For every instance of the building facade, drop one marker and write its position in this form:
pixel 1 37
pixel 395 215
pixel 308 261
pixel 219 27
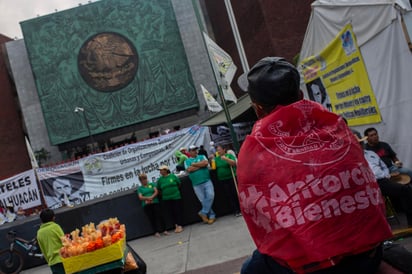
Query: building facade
pixel 14 158
pixel 271 28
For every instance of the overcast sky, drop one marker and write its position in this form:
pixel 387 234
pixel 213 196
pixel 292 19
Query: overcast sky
pixel 14 11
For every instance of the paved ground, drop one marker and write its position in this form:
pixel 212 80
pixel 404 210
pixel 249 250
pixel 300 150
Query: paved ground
pixel 203 249
pixel 200 248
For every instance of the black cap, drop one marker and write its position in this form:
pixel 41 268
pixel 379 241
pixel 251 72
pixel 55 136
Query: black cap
pixel 272 81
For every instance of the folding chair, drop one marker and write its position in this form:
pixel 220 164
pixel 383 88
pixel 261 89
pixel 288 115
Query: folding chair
pixel 390 210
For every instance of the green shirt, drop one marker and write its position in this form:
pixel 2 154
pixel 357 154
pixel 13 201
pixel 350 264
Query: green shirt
pixel 223 168
pixel 201 175
pixel 182 157
pixel 147 191
pixel 169 186
pixel 49 240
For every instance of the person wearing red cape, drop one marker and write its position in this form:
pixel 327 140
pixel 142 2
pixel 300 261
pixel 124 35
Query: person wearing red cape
pixel 307 194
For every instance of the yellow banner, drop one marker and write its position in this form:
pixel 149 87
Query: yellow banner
pixel 337 79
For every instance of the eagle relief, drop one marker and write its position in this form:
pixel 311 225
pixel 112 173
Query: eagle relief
pixel 108 61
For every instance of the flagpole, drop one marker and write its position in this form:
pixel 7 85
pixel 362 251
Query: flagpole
pixel 236 34
pixel 233 135
pixel 234 179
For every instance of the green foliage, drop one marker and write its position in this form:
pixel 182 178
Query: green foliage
pixel 296 59
pixel 42 156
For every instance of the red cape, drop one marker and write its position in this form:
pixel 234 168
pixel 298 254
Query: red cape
pixel 306 191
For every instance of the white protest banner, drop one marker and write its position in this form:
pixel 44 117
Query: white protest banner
pixel 20 190
pixel 104 174
pixel 118 170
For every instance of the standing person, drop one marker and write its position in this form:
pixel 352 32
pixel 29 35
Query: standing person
pixel 197 168
pixel 49 239
pixel 307 194
pixel 226 170
pixel 212 148
pixel 169 185
pixel 385 152
pixel 148 194
pixel 202 151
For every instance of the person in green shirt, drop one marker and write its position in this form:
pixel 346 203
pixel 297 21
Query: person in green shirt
pixel 169 185
pixel 225 171
pixel 148 194
pixel 49 239
pixel 181 158
pixel 197 167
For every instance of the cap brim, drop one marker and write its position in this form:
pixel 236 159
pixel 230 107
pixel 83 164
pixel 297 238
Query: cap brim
pixel 242 82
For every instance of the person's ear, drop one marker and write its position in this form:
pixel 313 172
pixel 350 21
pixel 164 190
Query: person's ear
pixel 300 96
pixel 259 110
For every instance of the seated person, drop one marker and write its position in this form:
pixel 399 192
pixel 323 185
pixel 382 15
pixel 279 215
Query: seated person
pixel 9 213
pixel 385 152
pixel 21 214
pixel 389 188
pixel 2 217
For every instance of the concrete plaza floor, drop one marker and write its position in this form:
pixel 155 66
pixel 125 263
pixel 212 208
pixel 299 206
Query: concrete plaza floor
pixel 224 245
pixel 201 248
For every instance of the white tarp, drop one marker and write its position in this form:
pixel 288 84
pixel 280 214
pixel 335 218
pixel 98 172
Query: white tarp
pixel 388 60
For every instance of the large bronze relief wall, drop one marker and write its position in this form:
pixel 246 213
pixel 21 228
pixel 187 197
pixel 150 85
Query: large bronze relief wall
pixel 121 61
pixel 108 61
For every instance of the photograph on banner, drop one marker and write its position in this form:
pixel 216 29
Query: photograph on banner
pixel 337 79
pixel 64 190
pixel 20 190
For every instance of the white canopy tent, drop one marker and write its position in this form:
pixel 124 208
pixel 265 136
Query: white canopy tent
pixel 388 59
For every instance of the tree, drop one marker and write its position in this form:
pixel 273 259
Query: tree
pixel 42 156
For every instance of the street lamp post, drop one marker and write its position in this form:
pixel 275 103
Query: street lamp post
pixel 80 109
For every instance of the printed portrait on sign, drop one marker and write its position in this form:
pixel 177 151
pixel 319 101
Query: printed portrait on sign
pixel 317 92
pixel 66 190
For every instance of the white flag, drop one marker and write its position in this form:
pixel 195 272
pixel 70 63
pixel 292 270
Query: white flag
pixel 32 157
pixel 223 67
pixel 228 92
pixel 211 103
